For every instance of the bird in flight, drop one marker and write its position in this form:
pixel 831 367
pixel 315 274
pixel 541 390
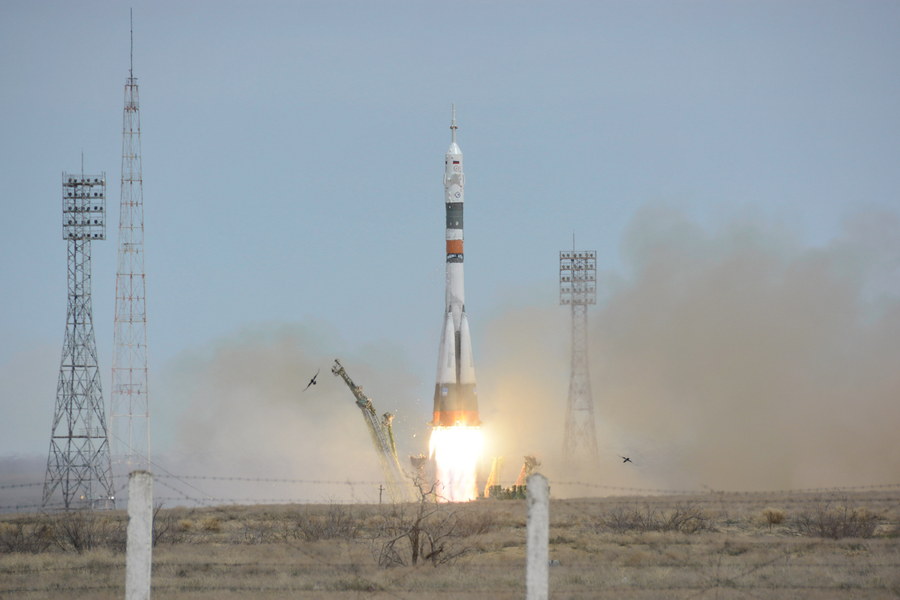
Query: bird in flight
pixel 625 459
pixel 312 381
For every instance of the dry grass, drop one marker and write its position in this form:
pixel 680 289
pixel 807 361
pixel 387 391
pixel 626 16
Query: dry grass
pixel 773 516
pixel 714 546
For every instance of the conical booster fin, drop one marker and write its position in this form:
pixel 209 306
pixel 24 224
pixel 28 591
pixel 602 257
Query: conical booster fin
pixel 466 362
pixel 446 369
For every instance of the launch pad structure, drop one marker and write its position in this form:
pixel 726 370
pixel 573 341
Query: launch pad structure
pixel 578 290
pixel 79 471
pixel 399 485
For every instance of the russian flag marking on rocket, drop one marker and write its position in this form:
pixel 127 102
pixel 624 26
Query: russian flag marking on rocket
pixel 455 395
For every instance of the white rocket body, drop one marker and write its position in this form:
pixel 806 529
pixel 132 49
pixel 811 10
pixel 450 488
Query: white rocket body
pixel 455 397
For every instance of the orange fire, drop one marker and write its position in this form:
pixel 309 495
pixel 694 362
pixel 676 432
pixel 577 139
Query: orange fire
pixel 456 451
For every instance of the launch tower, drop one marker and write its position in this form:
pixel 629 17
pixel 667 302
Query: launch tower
pixel 399 486
pixel 79 473
pixel 129 406
pixel 578 289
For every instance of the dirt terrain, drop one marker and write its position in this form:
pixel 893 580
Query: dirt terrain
pixel 813 545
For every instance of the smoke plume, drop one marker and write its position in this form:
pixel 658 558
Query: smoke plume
pixel 245 414
pixel 729 357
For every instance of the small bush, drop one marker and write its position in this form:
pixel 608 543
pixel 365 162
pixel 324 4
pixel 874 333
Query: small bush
pixel 83 530
pixel 773 516
pixel 836 522
pixel 684 518
pixel 337 523
pixel 211 524
pixel 621 519
pixel 421 533
pixel 475 523
pixel 261 532
pixel 24 537
pixel 167 528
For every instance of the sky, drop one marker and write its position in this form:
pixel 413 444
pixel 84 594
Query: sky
pixel 734 165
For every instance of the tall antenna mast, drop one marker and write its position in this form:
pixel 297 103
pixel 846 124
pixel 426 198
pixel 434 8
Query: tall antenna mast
pixel 453 126
pixel 578 289
pixel 130 408
pixel 131 57
pixel 79 473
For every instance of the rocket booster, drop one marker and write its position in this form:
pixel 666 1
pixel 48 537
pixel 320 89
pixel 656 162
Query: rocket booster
pixel 455 397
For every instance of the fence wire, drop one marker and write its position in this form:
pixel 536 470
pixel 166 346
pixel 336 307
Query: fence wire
pixel 188 490
pixel 863 573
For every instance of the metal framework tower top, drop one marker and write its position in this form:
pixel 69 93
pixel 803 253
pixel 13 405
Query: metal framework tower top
pixel 578 289
pixel 84 206
pixel 130 412
pixel 78 465
pixel 577 277
pixel 131 55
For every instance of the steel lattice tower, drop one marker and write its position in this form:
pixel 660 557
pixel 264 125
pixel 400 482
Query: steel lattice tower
pixel 78 465
pixel 130 412
pixel 577 288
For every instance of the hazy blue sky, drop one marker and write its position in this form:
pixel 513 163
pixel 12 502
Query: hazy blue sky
pixel 292 158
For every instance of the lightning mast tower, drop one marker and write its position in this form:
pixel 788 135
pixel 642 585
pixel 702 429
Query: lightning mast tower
pixel 78 465
pixel 578 289
pixel 130 409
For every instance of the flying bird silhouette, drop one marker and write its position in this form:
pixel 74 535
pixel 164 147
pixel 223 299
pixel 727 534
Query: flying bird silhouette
pixel 625 459
pixel 312 381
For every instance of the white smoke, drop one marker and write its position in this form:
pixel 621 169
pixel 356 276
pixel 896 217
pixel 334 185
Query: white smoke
pixel 729 357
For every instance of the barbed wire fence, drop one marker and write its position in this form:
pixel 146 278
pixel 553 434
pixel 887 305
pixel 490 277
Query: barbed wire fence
pixel 191 490
pixel 648 576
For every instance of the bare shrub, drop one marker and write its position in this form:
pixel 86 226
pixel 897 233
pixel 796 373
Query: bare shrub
pixel 621 519
pixel 684 518
pixel 83 530
pixel 167 528
pixel 261 532
pixel 836 522
pixel 211 524
pixel 423 532
pixel 24 537
pixel 773 516
pixel 337 523
pixel 475 523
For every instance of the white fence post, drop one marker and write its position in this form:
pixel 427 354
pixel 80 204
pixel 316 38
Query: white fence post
pixel 139 547
pixel 537 582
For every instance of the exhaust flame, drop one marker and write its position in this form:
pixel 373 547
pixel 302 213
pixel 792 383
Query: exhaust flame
pixel 456 451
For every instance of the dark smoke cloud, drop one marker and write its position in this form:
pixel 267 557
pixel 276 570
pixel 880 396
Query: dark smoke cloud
pixel 732 357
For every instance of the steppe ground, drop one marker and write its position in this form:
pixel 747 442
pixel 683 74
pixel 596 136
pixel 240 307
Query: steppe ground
pixel 813 545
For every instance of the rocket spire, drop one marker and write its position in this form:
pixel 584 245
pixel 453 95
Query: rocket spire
pixel 453 126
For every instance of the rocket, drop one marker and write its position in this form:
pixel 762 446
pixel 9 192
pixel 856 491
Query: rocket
pixel 455 397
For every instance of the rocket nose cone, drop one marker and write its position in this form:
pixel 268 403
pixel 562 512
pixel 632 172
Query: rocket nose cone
pixel 454 149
